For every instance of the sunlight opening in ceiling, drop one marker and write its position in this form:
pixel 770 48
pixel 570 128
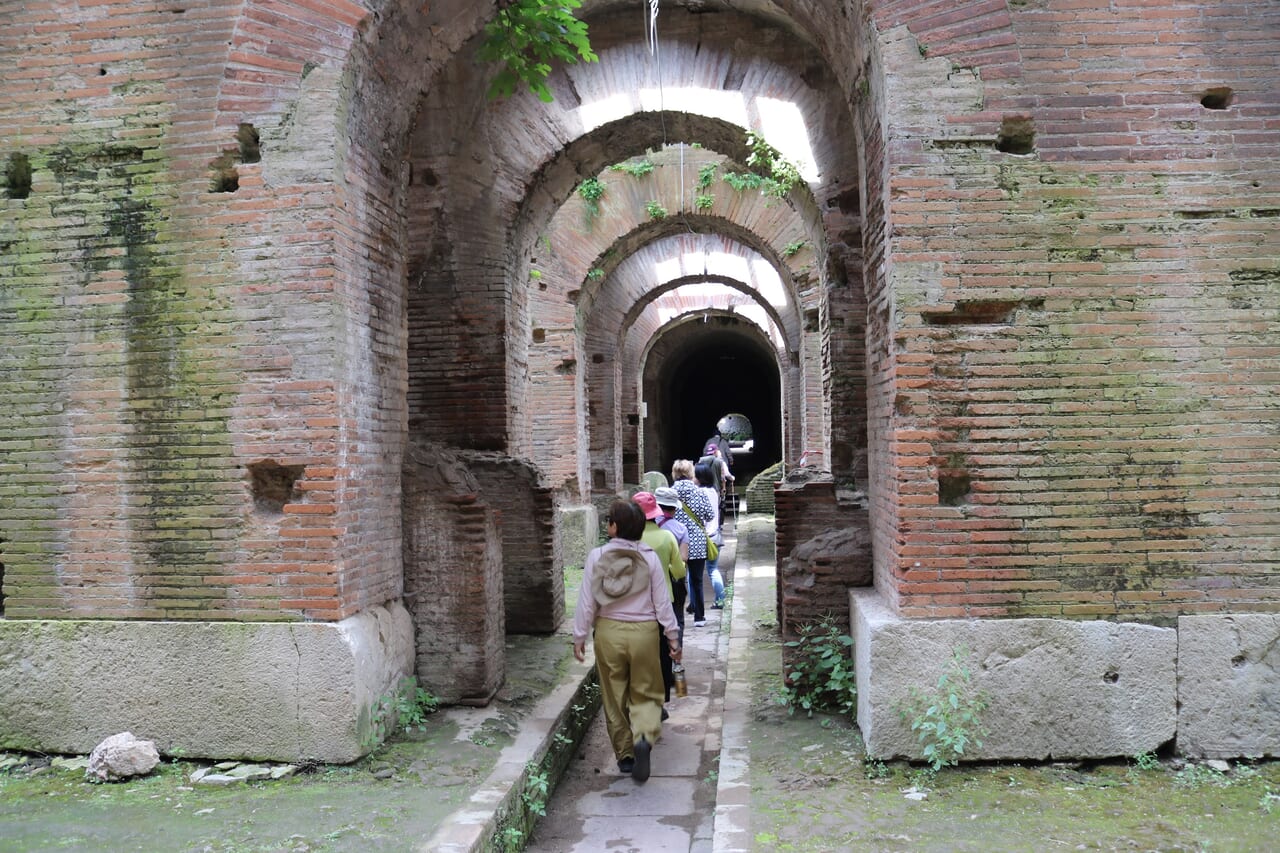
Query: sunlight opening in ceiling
pixel 780 121
pixel 605 110
pixel 697 100
pixel 714 296
pixel 754 271
pixel 783 126
pixel 768 283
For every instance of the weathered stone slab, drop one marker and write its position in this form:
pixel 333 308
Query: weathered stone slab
pixel 1058 688
pixel 271 691
pixel 578 526
pixel 1229 685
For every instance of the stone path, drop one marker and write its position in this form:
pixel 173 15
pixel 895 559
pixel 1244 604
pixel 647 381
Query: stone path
pixel 596 807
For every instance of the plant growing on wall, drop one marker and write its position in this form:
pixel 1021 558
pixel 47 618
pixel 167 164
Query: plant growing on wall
pixel 634 168
pixel 707 174
pixel 703 202
pixel 948 720
pixel 591 191
pixel 655 209
pixel 792 249
pixel 821 677
pixel 771 173
pixel 529 35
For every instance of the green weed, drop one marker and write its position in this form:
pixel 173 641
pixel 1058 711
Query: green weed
pixel 948 720
pixel 821 677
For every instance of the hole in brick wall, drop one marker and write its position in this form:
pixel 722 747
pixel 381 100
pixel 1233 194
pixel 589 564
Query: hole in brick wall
pixel 102 72
pixel 567 366
pixel 539 336
pixel 597 479
pixel 1017 135
pixel 978 311
pixel 598 358
pixel 273 485
pixel 225 177
pixel 1218 98
pixel 1111 676
pixel 1237 661
pixel 953 488
pixel 18 176
pixel 633 420
pixel 250 148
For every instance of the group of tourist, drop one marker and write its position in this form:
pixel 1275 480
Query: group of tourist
pixel 633 598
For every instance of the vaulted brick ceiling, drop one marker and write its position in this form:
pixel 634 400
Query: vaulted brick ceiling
pixel 588 290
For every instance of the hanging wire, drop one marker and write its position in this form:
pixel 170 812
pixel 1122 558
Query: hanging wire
pixel 653 27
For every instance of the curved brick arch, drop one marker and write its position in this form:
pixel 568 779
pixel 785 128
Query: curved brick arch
pixel 647 434
pixel 533 156
pixel 676 259
pixel 799 422
pixel 684 294
pixel 562 298
pixel 619 321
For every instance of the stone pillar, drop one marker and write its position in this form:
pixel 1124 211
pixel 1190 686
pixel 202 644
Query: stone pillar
pixel 453 578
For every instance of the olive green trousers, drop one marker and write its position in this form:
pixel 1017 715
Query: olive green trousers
pixel 630 682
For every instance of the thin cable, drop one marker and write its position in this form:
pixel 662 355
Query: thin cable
pixel 653 27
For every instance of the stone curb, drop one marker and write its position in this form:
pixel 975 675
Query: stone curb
pixel 732 822
pixel 548 739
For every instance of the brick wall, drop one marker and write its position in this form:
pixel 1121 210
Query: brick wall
pixel 453 576
pixel 823 547
pixel 244 266
pixel 533 585
pixel 1071 416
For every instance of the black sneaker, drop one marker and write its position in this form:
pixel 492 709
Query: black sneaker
pixel 665 715
pixel 626 764
pixel 640 771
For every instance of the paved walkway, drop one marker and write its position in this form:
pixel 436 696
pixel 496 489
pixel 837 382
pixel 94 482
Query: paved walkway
pixel 596 807
pixel 698 794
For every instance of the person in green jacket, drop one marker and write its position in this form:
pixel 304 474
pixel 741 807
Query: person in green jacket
pixel 671 557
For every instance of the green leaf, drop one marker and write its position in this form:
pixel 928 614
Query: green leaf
pixel 526 37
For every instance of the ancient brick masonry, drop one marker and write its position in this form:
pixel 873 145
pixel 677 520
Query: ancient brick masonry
pixel 258 257
pixel 823 547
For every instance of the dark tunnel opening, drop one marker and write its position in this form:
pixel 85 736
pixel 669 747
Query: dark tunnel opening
pixel 717 372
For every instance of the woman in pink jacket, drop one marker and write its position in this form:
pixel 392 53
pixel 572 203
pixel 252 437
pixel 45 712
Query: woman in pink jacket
pixel 624 599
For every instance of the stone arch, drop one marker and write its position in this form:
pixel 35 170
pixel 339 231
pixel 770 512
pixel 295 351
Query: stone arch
pixel 578 257
pixel 617 329
pixel 676 405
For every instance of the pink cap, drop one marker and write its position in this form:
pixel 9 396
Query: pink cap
pixel 648 503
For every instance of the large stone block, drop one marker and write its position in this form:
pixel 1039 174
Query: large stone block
pixel 1058 688
pixel 264 691
pixel 1229 685
pixel 579 526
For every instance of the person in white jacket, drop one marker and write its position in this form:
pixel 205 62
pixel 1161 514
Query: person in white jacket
pixel 624 602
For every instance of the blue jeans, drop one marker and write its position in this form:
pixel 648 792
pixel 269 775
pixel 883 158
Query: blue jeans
pixel 717 581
